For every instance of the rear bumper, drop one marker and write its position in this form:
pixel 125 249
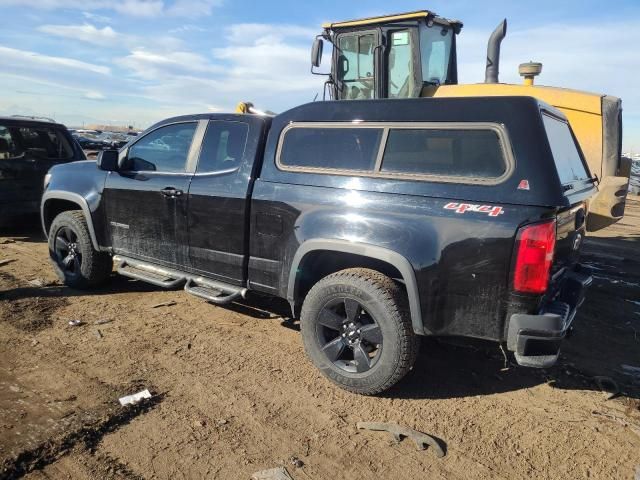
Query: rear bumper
pixel 535 339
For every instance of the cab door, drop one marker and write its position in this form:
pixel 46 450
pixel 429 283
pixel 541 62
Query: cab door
pixel 146 200
pixel 357 59
pixel 219 196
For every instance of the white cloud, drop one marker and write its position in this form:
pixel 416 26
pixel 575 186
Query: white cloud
pixel 108 37
pixel 252 33
pixel 96 18
pixel 187 28
pixel 94 95
pixel 137 8
pixel 14 57
pixel 192 8
pixel 153 66
pixel 84 33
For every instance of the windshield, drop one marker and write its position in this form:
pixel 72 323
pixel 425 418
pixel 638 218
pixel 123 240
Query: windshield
pixel 435 51
pixel 565 153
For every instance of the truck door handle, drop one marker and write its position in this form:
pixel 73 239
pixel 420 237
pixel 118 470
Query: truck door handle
pixel 171 192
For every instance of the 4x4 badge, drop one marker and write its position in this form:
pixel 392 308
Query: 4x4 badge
pixel 490 210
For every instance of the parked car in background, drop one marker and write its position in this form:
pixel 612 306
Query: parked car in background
pixel 91 143
pixel 29 147
pixel 114 140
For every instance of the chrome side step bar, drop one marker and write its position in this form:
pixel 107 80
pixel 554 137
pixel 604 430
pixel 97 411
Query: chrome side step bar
pixel 213 291
pixel 145 272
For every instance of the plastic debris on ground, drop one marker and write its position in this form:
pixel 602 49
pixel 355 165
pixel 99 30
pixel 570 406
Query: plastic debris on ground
pixel 134 398
pixel 279 473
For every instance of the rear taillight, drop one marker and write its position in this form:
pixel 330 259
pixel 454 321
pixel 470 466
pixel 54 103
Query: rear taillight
pixel 534 254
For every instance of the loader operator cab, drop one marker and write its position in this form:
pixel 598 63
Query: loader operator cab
pixel 414 55
pixel 392 56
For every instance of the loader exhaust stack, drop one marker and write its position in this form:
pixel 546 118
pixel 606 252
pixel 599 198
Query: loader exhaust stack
pixel 493 53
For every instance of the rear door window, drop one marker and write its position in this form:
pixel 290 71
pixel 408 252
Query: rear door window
pixel 223 146
pixel 164 150
pixel 341 148
pixel 444 152
pixel 565 152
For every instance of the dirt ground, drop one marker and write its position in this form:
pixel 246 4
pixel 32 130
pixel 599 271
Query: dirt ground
pixel 234 393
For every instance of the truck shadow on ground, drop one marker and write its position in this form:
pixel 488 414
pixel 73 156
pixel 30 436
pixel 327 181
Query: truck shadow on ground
pixel 605 340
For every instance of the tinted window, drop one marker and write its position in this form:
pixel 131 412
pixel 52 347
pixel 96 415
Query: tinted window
pixel 223 146
pixel 564 150
pixel 401 84
pixel 163 150
pixel 336 148
pixel 447 152
pixel 34 142
pixel 435 47
pixel 355 66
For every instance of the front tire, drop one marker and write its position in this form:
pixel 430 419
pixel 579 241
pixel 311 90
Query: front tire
pixel 72 255
pixel 356 329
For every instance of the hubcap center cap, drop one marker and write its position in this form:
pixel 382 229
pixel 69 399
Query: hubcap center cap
pixel 351 333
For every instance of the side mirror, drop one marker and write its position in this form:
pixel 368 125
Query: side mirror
pixel 108 160
pixel 316 52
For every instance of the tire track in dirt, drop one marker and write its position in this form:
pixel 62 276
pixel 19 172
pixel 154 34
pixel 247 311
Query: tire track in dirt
pixel 86 432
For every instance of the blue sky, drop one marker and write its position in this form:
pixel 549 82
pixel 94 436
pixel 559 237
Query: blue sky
pixel 138 61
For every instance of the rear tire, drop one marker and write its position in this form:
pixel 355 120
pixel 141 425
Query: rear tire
pixel 72 255
pixel 356 329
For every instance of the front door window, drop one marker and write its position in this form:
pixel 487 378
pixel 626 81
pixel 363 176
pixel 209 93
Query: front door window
pixel 163 150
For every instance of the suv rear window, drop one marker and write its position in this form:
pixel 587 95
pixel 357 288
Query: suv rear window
pixel 565 153
pixel 331 148
pixel 444 152
pixel 39 142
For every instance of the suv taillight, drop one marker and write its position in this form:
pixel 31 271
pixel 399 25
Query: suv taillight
pixel 534 253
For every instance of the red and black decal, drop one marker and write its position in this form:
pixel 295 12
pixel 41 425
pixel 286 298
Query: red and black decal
pixel 491 210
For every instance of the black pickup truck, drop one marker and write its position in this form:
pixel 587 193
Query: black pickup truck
pixel 378 221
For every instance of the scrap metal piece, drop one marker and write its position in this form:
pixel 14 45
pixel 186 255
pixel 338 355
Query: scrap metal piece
pixel 279 473
pixel 398 432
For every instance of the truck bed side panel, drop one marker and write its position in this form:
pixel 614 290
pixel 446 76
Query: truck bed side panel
pixel 461 260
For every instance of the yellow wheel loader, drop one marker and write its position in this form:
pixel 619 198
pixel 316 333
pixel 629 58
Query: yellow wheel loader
pixel 414 55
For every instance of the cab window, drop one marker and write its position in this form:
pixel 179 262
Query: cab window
pixel 163 150
pixel 435 53
pixel 401 74
pixel 223 146
pixel 356 53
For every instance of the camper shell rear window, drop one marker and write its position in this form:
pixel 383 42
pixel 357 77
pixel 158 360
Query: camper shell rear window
pixel 566 155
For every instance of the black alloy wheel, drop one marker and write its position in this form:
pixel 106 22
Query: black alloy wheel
pixel 349 336
pixel 67 251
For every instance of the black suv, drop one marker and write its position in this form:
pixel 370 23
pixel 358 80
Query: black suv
pixel 378 221
pixel 29 147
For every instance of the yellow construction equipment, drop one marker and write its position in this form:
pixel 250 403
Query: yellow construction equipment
pixel 414 55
